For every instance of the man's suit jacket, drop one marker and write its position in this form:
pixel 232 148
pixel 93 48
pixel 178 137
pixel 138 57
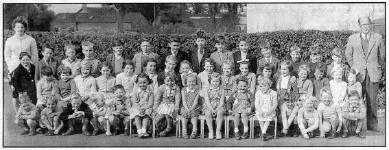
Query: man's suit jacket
pixel 369 60
pixel 139 61
pixel 111 60
pixel 252 60
pixel 274 63
pixel 198 65
pixel 181 55
pixel 53 64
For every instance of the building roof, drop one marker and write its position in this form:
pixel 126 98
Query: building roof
pixel 97 15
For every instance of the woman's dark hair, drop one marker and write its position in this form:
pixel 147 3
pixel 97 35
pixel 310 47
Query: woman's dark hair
pixel 143 75
pixel 21 20
pixel 22 54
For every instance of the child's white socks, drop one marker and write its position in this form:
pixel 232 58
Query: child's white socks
pixel 236 130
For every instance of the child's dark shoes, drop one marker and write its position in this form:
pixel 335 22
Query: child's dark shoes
pixel 85 132
pixel 193 135
pixel 50 133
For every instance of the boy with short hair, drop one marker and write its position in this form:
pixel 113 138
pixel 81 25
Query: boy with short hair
pixel 87 50
pixel 47 60
pixel 85 83
pixel 330 115
pixel 295 55
pixel 267 58
pixel 65 86
pixel 140 58
pixel 175 51
pixel 308 118
pixel 251 78
pixel 243 54
pixel 76 112
pixel 337 64
pixel 27 115
pixel 70 61
pixel 198 56
pixel 117 59
pixel 354 115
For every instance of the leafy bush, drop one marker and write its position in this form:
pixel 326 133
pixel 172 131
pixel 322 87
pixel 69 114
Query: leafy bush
pixel 280 41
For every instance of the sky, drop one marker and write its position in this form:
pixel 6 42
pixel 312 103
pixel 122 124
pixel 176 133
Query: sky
pixel 69 8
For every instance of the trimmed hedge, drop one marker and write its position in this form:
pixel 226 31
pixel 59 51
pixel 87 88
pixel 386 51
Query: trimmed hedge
pixel 279 40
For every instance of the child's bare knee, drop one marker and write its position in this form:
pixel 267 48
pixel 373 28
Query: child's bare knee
pixel 31 123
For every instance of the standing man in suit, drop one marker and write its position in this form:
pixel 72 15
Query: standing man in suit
pixel 244 55
pixel 365 51
pixel 198 55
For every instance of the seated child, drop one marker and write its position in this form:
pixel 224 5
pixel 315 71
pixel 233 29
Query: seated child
pixel 99 110
pixel 85 83
pixel 242 102
pixel 354 115
pixel 117 111
pixel 167 103
pixel 330 115
pixel 127 77
pixel 65 87
pixel 289 111
pixel 190 109
pixel 251 78
pixel 214 105
pixel 185 71
pixel 45 87
pixel 105 83
pixel 75 113
pixel 353 84
pixel 50 116
pixel 286 83
pixel 228 80
pixel 204 76
pixel 71 61
pixel 320 80
pixel 308 118
pixel 338 87
pixel 142 100
pixel 27 115
pixel 150 69
pixel 267 72
pixel 265 106
pixel 304 85
pixel 87 50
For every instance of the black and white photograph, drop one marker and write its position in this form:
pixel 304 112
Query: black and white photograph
pixel 193 74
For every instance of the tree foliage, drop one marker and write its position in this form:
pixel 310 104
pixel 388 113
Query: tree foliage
pixel 39 17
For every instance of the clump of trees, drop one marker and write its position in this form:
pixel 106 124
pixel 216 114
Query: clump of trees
pixel 38 15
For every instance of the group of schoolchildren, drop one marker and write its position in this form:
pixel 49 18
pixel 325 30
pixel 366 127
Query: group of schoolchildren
pixel 310 99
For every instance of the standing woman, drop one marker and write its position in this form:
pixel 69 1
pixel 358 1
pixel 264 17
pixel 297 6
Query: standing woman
pixel 23 80
pixel 19 42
